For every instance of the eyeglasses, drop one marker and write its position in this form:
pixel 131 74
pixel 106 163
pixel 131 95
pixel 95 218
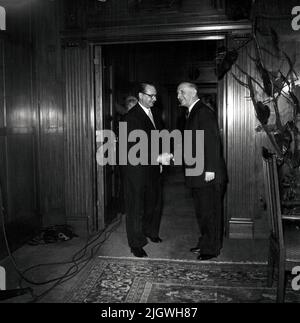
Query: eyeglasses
pixel 152 96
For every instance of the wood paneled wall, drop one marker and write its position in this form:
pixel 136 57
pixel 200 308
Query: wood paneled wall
pixel 18 128
pixel 49 94
pixel 31 119
pixel 78 138
pixel 240 153
pixel 85 14
pixel 245 207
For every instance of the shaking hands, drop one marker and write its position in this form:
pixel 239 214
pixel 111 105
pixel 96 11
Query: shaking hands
pixel 209 176
pixel 165 159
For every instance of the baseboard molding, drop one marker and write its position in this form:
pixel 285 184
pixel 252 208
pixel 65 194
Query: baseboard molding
pixel 55 217
pixel 241 228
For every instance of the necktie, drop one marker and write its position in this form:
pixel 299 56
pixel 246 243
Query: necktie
pixel 151 117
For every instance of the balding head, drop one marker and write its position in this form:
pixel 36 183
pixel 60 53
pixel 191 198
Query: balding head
pixel 187 94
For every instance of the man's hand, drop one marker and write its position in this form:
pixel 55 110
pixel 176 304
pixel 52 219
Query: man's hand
pixel 209 176
pixel 165 158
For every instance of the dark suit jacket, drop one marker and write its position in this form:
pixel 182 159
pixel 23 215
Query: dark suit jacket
pixel 137 119
pixel 203 118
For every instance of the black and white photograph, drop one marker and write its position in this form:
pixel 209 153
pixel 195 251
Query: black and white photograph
pixel 149 154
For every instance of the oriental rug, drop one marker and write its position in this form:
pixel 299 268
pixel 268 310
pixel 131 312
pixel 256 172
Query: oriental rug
pixel 137 280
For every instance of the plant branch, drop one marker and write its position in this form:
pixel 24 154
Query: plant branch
pixel 239 81
pixel 271 138
pixel 248 75
pixel 258 50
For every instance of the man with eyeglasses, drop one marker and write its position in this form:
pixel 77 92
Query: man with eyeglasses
pixel 142 183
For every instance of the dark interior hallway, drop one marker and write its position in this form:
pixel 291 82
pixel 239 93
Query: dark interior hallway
pixel 178 231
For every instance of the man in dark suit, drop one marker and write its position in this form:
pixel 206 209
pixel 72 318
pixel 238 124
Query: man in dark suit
pixel 208 189
pixel 142 183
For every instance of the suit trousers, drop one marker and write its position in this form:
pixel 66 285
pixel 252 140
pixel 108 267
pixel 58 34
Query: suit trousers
pixel 143 210
pixel 208 203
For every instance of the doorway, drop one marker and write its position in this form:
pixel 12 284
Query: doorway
pixel 118 67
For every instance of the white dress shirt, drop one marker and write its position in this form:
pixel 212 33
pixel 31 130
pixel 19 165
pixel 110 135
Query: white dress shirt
pixel 191 107
pixel 149 114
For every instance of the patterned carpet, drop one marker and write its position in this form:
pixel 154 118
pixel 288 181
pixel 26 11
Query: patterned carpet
pixel 126 280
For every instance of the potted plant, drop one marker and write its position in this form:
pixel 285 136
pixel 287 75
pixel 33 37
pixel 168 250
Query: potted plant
pixel 272 91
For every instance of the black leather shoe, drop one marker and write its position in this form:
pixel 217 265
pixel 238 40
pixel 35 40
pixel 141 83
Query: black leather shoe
pixel 205 257
pixel 195 250
pixel 139 252
pixel 156 239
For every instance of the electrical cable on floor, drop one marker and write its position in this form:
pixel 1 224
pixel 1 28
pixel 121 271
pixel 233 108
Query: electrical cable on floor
pixel 75 261
pixel 69 275
pixel 86 261
pixel 60 263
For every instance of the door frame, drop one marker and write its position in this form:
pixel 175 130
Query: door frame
pixel 170 34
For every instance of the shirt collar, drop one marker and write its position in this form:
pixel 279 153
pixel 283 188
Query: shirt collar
pixel 144 108
pixel 191 107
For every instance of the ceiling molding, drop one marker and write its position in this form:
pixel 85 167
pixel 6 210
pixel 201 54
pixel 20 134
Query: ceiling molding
pixel 168 32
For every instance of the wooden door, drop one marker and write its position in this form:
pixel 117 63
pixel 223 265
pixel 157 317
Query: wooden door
pixel 107 176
